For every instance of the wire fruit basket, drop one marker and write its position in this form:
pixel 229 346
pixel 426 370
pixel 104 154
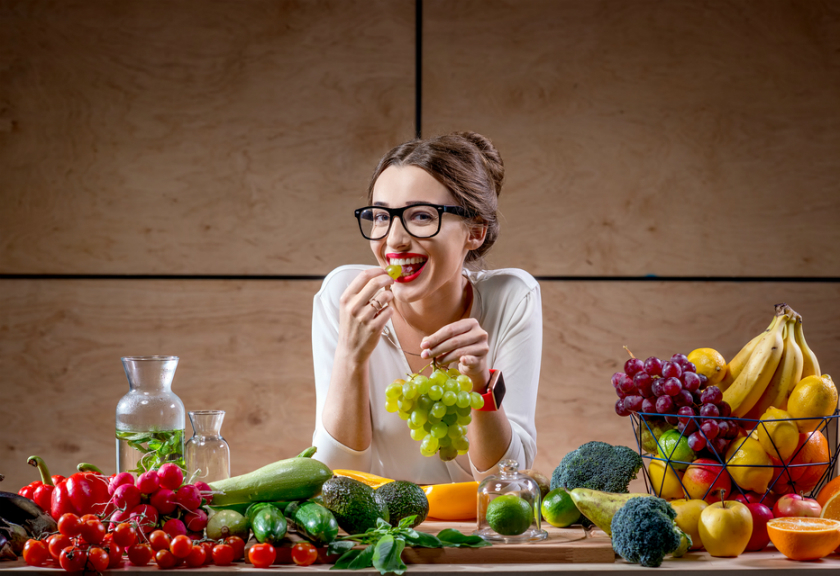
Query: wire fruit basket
pixel 797 474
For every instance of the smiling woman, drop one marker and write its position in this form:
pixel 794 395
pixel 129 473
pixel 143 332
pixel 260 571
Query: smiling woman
pixel 432 212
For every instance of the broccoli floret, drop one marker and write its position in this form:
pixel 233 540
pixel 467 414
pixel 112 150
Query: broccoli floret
pixel 644 532
pixel 599 466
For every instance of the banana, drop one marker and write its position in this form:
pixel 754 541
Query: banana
pixel 754 378
pixel 736 365
pixel 787 375
pixel 811 366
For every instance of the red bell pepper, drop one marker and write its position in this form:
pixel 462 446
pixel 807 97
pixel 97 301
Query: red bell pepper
pixel 82 493
pixel 41 490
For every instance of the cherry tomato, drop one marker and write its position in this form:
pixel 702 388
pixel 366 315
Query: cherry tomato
pixel 181 546
pixel 160 540
pixel 208 551
pixel 115 555
pixel 165 559
pixel 93 531
pixel 125 535
pixel 88 518
pixel 262 555
pixel 56 543
pixel 35 552
pixel 222 554
pixel 197 556
pixel 69 525
pixel 238 545
pixel 304 554
pixel 73 559
pixel 98 559
pixel 140 554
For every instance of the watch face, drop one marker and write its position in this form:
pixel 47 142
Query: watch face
pixel 499 390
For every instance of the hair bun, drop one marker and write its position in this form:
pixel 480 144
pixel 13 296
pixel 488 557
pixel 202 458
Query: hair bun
pixel 492 158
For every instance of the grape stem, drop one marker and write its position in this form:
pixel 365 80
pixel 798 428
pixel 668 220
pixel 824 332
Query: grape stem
pixel 628 351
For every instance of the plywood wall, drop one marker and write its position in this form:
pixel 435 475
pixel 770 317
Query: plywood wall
pixel 234 140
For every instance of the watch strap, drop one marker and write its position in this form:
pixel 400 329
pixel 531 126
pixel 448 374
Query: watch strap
pixel 494 393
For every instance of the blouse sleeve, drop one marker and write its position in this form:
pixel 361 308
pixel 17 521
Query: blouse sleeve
pixel 518 355
pixel 324 343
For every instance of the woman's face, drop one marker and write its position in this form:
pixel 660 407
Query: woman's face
pixel 428 264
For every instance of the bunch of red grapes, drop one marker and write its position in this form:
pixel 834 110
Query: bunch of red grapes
pixel 674 391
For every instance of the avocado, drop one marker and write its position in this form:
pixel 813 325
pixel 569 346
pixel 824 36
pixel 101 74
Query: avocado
pixel 403 499
pixel 352 503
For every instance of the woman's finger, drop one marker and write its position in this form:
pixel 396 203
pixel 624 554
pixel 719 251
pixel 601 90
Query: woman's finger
pixel 370 290
pixel 449 331
pixel 477 350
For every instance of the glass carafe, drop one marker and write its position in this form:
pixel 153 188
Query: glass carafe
pixel 150 418
pixel 207 453
pixel 509 506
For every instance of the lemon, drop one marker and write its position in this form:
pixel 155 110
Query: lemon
pixel 779 439
pixel 709 363
pixel 749 465
pixel 813 397
pixel 665 481
pixel 559 509
pixel 509 515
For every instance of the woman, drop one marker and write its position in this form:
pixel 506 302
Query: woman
pixel 433 211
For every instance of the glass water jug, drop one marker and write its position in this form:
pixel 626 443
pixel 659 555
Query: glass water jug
pixel 150 417
pixel 509 506
pixel 207 453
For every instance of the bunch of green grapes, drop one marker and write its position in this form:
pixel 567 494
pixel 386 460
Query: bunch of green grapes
pixel 436 409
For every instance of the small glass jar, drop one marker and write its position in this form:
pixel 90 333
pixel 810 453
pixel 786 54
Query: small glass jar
pixel 207 453
pixel 509 506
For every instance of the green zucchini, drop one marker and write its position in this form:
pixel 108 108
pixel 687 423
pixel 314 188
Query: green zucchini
pixel 291 479
pixel 267 523
pixel 313 522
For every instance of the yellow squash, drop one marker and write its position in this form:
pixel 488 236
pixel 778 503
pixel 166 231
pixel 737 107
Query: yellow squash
pixel 371 480
pixel 455 501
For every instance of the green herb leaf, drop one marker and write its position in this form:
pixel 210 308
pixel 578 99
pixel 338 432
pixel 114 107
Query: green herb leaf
pixel 363 560
pixel 337 547
pixel 387 555
pixel 382 525
pixel 344 562
pixel 454 539
pixel 407 521
pixel 423 540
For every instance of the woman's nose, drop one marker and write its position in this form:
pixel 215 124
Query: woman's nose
pixel 398 236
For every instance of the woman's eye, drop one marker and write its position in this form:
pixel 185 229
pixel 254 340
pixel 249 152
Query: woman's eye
pixel 421 218
pixel 381 218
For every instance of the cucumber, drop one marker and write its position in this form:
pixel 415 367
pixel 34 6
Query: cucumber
pixel 267 523
pixel 291 479
pixel 313 522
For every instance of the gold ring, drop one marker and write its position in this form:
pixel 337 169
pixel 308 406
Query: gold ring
pixel 376 305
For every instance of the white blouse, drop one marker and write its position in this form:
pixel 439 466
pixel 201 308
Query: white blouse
pixel 507 305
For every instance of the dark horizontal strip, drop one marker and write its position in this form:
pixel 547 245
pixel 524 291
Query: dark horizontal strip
pixel 651 278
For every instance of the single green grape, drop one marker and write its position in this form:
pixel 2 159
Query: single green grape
pixel 461 443
pixel 462 452
pixel 439 377
pixel 453 372
pixel 453 409
pixel 464 420
pixel 438 410
pixel 409 390
pixel 463 400
pixel 449 419
pixel 451 386
pixel 447 454
pixel 430 443
pixel 394 271
pixel 434 420
pixel 403 415
pixel 428 426
pixel 449 398
pixel 411 424
pixel 424 402
pixel 394 389
pixel 405 405
pixel 419 417
pixel 445 441
pixel 455 431
pixel 465 411
pixel 391 406
pixel 439 430
pixel 418 434
pixel 476 401
pixel 422 383
pixel 465 382
pixel 435 392
pixel 425 450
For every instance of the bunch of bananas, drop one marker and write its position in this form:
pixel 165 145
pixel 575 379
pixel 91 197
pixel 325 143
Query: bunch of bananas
pixel 766 370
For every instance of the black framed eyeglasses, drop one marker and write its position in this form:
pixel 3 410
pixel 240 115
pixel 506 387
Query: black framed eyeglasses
pixel 419 220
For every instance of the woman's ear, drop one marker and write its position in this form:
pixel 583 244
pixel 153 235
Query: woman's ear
pixel 477 234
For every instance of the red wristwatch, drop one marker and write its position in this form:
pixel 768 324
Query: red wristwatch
pixel 495 392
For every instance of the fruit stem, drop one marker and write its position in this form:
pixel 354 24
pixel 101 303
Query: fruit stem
pixel 628 351
pixel 722 495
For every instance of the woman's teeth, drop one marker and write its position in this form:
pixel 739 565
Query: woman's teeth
pixel 404 261
pixel 409 265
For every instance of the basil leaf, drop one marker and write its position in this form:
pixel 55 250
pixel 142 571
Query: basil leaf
pixel 345 560
pixel 454 539
pixel 382 525
pixel 423 540
pixel 407 521
pixel 386 556
pixel 363 560
pixel 339 547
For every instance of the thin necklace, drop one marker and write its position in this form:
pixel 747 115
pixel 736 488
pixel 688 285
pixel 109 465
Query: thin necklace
pixel 416 331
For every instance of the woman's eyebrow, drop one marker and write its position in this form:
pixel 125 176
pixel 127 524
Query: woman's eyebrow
pixel 409 203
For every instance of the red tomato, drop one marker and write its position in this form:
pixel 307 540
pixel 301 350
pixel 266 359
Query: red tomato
pixel 93 531
pixel 88 518
pixel 115 554
pixel 140 554
pixel 262 555
pixel 181 546
pixel 125 535
pixel 73 559
pixel 98 559
pixel 165 559
pixel 304 554
pixel 160 540
pixel 56 543
pixel 197 556
pixel 208 551
pixel 69 525
pixel 35 552
pixel 238 545
pixel 222 554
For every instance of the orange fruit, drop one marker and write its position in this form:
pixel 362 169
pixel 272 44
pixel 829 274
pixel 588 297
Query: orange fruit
pixel 827 491
pixel 804 538
pixel 831 508
pixel 813 448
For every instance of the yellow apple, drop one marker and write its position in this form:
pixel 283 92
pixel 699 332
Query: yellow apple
pixel 665 480
pixel 725 528
pixel 688 518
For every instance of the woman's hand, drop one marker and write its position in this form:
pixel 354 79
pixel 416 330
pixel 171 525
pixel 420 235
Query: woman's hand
pixel 465 342
pixel 361 322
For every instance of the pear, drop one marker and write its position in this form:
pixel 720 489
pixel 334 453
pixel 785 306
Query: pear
pixel 600 507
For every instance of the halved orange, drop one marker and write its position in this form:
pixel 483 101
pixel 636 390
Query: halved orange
pixel 831 508
pixel 827 491
pixel 804 538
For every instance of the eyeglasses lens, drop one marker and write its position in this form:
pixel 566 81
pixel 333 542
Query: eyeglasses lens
pixel 420 221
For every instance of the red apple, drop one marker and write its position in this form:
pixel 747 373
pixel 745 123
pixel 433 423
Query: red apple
pixel 760 515
pixel 769 499
pixel 706 476
pixel 796 505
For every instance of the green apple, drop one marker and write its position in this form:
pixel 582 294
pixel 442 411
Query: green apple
pixel 688 518
pixel 725 528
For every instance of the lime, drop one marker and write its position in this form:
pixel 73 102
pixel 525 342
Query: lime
pixel 559 509
pixel 509 515
pixel 675 448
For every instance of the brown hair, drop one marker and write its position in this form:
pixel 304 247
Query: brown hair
pixel 469 166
